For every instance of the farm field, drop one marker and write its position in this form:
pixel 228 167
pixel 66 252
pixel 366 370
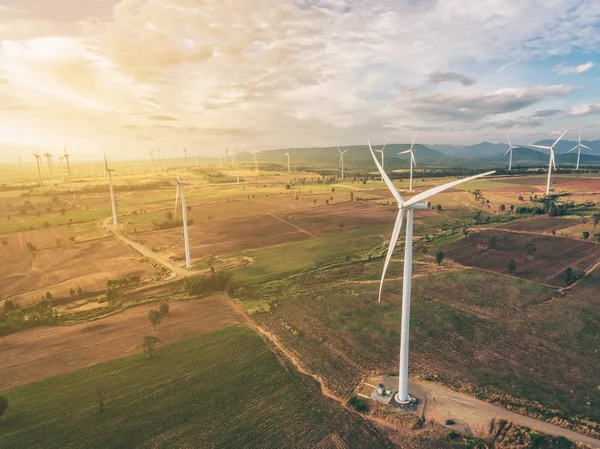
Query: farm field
pixel 543 224
pixel 223 389
pixel 511 342
pixel 47 351
pixel 27 276
pixel 547 265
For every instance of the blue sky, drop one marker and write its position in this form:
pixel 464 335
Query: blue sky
pixel 128 76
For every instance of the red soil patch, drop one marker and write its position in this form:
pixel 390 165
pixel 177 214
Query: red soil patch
pixel 87 265
pixel 43 352
pixel 553 256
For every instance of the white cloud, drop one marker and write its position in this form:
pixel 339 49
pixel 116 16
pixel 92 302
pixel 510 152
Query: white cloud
pixel 585 109
pixel 572 70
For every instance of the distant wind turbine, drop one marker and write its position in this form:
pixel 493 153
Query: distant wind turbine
pixel 578 147
pixel 181 185
pixel 511 147
pixel 220 158
pixel 408 207
pixel 152 160
pixel 37 157
pixel 226 158
pixel 237 167
pixel 255 164
pixel 342 160
pixel 185 153
pixel 288 157
pixel 552 162
pixel 159 161
pixel 65 156
pixel 382 151
pixel 112 193
pixel 49 161
pixel 412 161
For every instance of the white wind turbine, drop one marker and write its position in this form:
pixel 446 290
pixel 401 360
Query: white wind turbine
pixel 342 161
pixel 382 151
pixel 552 162
pixel 226 158
pixel 237 167
pixel 152 160
pixel 288 156
pixel 112 193
pixel 412 161
pixel 511 147
pixel 408 207
pixel 185 155
pixel 181 185
pixel 578 147
pixel 66 157
pixel 255 164
pixel 37 157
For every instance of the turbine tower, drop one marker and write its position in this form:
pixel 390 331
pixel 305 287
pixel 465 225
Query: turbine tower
pixel 288 156
pixel 412 161
pixel 185 153
pixel 382 154
pixel 112 193
pixel 237 167
pixel 552 162
pixel 152 160
pixel 255 164
pixel 342 160
pixel 226 158
pixel 159 162
pixel 65 156
pixel 577 147
pixel 49 161
pixel 181 185
pixel 511 147
pixel 37 157
pixel 408 207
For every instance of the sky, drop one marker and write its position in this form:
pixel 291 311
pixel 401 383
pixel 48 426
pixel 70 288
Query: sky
pixel 130 76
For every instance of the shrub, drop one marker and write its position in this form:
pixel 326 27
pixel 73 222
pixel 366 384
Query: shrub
pixel 164 309
pixel 3 405
pixel 357 404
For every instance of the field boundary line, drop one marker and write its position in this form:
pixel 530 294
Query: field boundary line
pixel 291 224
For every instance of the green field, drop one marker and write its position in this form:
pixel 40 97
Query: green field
pixel 225 389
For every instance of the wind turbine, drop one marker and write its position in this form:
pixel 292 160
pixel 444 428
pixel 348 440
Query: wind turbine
pixel 112 193
pixel 37 159
pixel 412 160
pixel 511 147
pixel 579 146
pixel 181 185
pixel 237 167
pixel 152 160
pixel 49 161
pixel 65 156
pixel 185 153
pixel 382 154
pixel 159 161
pixel 408 207
pixel 288 156
pixel 552 162
pixel 342 160
pixel 255 164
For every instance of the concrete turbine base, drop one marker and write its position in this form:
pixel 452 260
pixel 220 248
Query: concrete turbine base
pixel 409 402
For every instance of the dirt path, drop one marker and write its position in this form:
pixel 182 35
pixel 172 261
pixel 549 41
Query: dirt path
pixel 475 415
pixel 293 225
pixel 176 270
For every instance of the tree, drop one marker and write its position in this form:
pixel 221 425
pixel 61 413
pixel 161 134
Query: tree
pixel 110 294
pixel 351 196
pixel 150 341
pixel 511 265
pixel 48 295
pixel 502 207
pixel 3 405
pixel 493 242
pixel 439 257
pixel 596 218
pixel 512 207
pixel 569 276
pixel 101 390
pixel 438 207
pixel 72 291
pixel 154 317
pixel 585 235
pixel 169 216
pixel 189 208
pixel 164 309
pixel 530 248
pixel 342 226
pixel 521 198
pixel 30 247
pixel 79 291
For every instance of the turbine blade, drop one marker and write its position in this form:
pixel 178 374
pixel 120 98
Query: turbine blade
pixel 176 200
pixel 412 155
pixel 434 191
pixel 574 148
pixel 405 152
pixel 540 146
pixel 509 148
pixel 386 179
pixel 586 147
pixel 553 161
pixel 393 239
pixel 509 143
pixel 413 142
pixel 561 136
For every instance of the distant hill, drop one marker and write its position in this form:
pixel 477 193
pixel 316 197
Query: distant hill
pixel 479 150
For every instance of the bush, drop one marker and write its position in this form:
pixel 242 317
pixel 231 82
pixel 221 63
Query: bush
pixel 164 309
pixel 214 283
pixel 357 404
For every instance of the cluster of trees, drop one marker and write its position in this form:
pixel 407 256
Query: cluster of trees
pixel 155 317
pixel 217 281
pixel 123 281
pixel 572 276
pixel 169 223
pixel 13 318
